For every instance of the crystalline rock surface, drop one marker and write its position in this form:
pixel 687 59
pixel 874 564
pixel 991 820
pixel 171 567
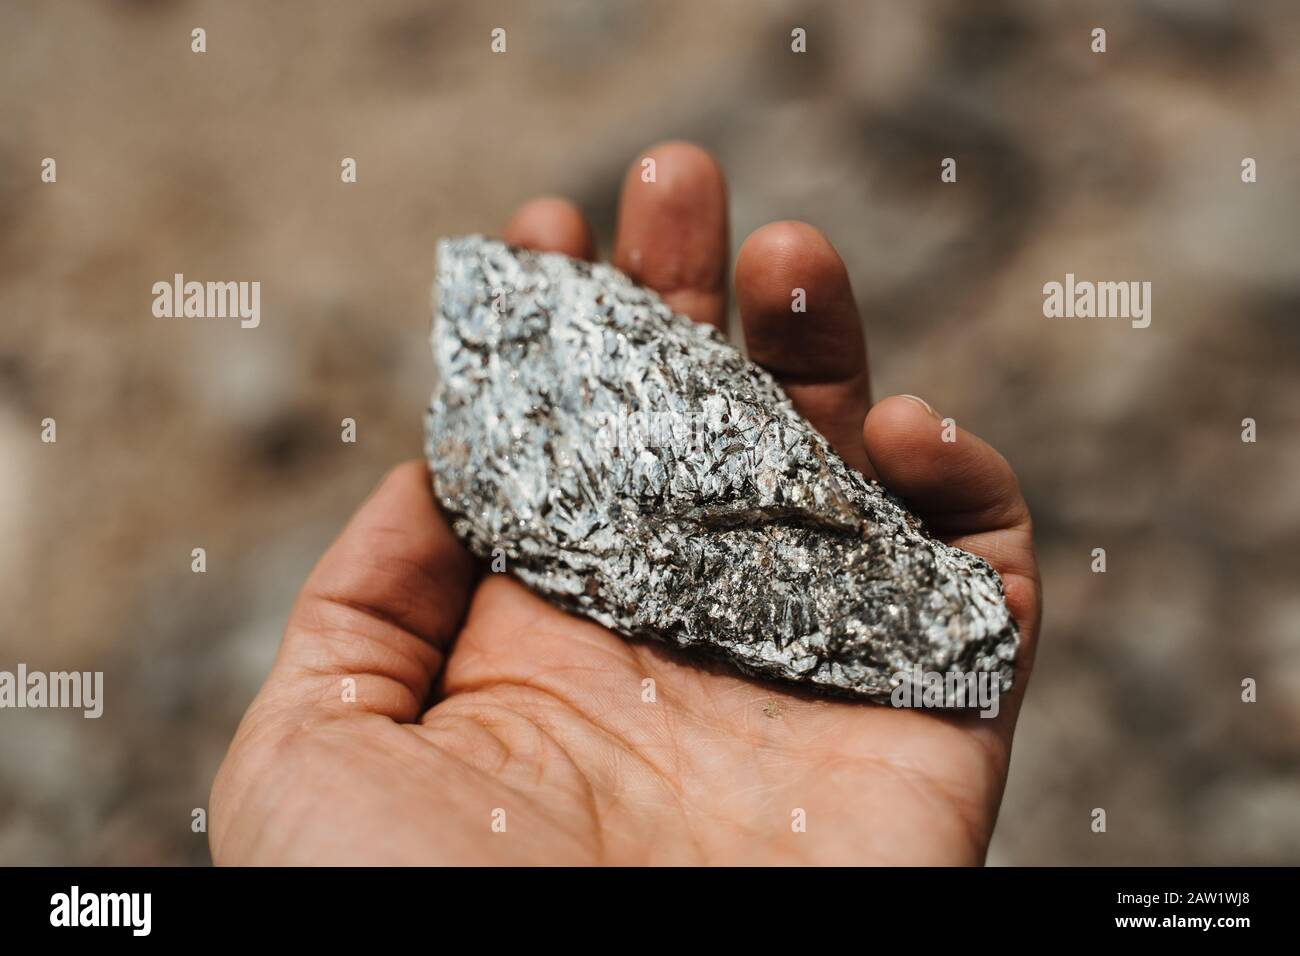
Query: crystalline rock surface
pixel 635 468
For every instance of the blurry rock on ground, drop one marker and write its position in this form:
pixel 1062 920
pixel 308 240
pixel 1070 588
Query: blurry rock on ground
pixel 175 435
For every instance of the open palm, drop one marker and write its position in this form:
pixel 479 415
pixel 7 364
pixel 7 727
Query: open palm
pixel 421 711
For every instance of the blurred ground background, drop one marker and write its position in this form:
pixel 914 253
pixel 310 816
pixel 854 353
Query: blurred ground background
pixel 181 434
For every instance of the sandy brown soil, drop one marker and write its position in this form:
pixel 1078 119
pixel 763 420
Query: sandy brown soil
pixel 179 434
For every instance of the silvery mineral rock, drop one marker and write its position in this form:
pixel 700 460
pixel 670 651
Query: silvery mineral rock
pixel 633 467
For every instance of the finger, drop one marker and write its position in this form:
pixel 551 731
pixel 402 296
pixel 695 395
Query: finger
pixel 802 325
pixel 968 495
pixel 380 609
pixel 957 483
pixel 672 230
pixel 551 224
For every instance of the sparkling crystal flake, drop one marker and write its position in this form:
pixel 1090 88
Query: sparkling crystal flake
pixel 635 468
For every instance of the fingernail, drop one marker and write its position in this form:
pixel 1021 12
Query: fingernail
pixel 923 403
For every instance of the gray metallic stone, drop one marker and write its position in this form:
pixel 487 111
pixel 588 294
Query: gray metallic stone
pixel 635 468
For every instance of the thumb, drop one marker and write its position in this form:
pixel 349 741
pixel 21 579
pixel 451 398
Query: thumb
pixel 371 627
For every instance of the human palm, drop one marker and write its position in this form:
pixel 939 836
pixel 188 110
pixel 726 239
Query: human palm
pixel 423 710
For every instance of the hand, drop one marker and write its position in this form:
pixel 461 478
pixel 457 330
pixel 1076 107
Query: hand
pixel 474 696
